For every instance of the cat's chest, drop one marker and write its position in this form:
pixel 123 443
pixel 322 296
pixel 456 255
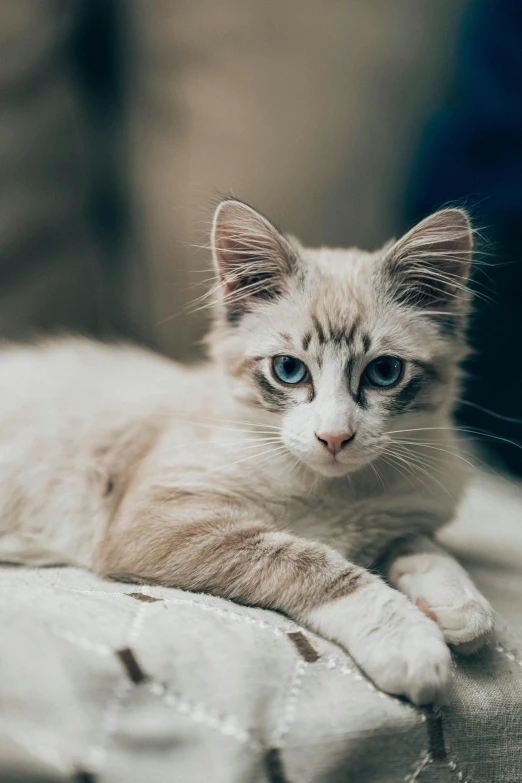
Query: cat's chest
pixel 356 526
pixel 355 518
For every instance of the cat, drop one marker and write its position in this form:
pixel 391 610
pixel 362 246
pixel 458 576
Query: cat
pixel 305 467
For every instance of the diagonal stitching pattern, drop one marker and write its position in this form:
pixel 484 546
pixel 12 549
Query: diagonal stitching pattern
pixel 227 725
pixel 289 710
pixel 198 712
pixel 507 654
pixel 421 764
pixel 96 755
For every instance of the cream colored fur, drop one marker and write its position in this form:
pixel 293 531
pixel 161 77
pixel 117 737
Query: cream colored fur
pixel 116 459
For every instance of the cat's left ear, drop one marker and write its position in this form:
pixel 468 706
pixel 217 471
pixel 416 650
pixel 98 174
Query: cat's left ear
pixel 253 259
pixel 429 266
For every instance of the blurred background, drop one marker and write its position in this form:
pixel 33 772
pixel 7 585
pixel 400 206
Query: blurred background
pixel 345 121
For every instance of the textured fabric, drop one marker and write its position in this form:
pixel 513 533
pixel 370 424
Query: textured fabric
pixel 151 684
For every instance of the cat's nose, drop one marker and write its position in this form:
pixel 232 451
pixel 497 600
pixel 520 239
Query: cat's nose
pixel 334 443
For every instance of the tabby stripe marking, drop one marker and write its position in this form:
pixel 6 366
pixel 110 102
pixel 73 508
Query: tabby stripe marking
pixel 400 401
pixel 319 329
pixel 351 334
pixel 270 393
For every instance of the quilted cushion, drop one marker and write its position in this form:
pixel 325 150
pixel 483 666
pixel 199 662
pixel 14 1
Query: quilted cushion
pixel 109 682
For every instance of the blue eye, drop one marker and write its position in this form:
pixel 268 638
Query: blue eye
pixel 384 371
pixel 289 370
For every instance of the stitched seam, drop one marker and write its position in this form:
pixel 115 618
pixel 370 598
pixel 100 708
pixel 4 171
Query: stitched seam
pixel 421 764
pixel 460 775
pixel 220 612
pixel 331 662
pixel 276 630
pixel 114 704
pixel 88 592
pixel 200 713
pixel 509 655
pixel 289 710
pixel 79 641
pixel 452 764
pixel 97 752
pixel 279 631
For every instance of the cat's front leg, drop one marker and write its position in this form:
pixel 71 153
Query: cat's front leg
pixel 221 549
pixel 439 586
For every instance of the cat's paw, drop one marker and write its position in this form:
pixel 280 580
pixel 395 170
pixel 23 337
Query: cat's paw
pixel 401 650
pixel 444 592
pixel 465 622
pixel 415 663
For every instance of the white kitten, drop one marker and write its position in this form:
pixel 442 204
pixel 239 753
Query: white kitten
pixel 315 443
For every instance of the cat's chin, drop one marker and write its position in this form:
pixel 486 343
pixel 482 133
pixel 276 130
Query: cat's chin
pixel 336 468
pixel 331 469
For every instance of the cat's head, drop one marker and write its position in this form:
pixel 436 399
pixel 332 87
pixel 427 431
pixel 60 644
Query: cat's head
pixel 341 347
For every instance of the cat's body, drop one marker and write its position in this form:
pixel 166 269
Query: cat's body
pixel 79 418
pixel 226 478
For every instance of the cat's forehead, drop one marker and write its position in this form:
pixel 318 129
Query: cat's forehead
pixel 338 300
pixel 336 308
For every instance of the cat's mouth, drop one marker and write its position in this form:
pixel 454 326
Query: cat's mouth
pixel 331 465
pixel 337 465
pixel 333 468
pixel 347 460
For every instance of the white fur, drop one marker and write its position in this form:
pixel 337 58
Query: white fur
pixel 436 581
pixel 400 649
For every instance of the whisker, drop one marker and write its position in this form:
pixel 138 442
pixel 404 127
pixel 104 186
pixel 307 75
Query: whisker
pixel 416 444
pixel 425 472
pixel 459 429
pixel 207 473
pixel 501 416
pixel 240 430
pixel 427 461
pixel 236 421
pixel 237 447
pixel 378 475
pixel 394 466
pixel 245 459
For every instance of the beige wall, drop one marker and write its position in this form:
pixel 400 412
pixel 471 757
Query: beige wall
pixel 309 110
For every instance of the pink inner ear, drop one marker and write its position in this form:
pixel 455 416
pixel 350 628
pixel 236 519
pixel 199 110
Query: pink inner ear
pixel 251 255
pixel 430 264
pixel 230 254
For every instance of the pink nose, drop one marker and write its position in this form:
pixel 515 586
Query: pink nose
pixel 335 443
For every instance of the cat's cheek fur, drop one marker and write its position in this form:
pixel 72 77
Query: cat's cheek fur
pixel 401 650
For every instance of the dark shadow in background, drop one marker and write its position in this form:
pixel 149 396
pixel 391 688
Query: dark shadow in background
pixel 471 154
pixel 96 55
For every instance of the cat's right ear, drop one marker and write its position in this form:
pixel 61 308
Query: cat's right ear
pixel 253 259
pixel 429 266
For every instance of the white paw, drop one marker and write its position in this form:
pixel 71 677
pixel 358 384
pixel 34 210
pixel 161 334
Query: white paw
pixel 465 623
pixel 401 650
pixel 447 595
